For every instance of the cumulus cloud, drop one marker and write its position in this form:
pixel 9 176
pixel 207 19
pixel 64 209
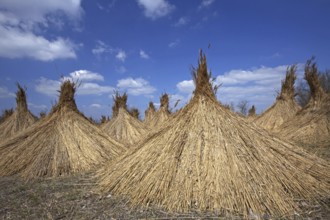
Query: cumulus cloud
pixel 186 86
pixel 20 24
pixel 48 86
pixel 156 8
pixel 257 86
pixel 262 75
pixel 51 87
pixel 15 43
pixel 5 93
pixel 138 86
pixel 144 55
pixel 94 89
pixel 121 55
pixel 36 11
pixel 86 75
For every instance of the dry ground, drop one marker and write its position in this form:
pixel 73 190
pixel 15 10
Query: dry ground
pixel 74 198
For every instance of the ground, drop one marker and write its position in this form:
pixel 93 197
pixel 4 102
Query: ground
pixel 75 198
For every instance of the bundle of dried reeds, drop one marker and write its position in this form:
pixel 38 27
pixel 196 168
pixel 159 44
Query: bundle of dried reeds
pixel 64 142
pixel 149 113
pixel 6 114
pixel 135 113
pixel 208 158
pixel 252 113
pixel 123 126
pixel 311 125
pixel 162 115
pixel 20 119
pixel 285 106
pixel 119 102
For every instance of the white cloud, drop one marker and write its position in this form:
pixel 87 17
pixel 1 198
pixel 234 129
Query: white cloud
pixel 262 75
pixel 186 86
pixel 144 55
pixel 101 48
pixel 21 22
pixel 15 43
pixel 5 93
pixel 86 75
pixel 94 89
pixel 95 105
pixel 48 86
pixel 37 11
pixel 257 86
pixel 205 3
pixel 156 8
pixel 121 55
pixel 38 107
pixel 51 87
pixel 182 21
pixel 179 100
pixel 174 43
pixel 136 86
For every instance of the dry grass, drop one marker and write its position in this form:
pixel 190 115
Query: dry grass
pixel 74 197
pixel 206 158
pixel 63 143
pixel 20 119
pixel 285 106
pixel 311 125
pixel 124 127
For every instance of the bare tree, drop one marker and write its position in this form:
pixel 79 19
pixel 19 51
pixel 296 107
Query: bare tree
pixel 242 107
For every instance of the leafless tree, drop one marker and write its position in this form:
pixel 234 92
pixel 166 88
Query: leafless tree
pixel 242 107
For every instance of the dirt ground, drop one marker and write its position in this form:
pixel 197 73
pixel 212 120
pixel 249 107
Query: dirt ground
pixel 74 198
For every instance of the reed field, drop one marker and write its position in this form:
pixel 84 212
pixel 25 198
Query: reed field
pixel 203 161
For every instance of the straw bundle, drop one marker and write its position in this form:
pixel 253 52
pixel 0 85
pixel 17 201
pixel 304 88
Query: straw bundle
pixel 285 106
pixel 208 158
pixel 149 113
pixel 135 113
pixel 123 126
pixel 64 142
pixel 6 114
pixel 119 102
pixel 162 114
pixel 252 113
pixel 311 125
pixel 20 119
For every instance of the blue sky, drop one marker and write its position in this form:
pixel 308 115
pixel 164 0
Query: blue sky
pixel 147 47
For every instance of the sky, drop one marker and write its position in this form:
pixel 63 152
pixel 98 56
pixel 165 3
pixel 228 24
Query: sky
pixel 148 47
